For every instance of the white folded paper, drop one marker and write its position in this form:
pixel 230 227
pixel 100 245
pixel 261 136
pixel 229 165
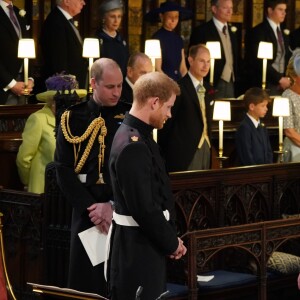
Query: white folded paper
pixel 205 278
pixel 93 241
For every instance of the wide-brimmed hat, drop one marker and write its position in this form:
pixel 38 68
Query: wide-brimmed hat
pixel 184 13
pixel 64 83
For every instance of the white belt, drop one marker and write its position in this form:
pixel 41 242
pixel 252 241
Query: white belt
pixel 123 221
pixel 129 220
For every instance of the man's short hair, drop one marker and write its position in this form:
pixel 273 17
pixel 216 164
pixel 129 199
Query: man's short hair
pixel 255 95
pixel 154 84
pixel 134 57
pixel 273 3
pixel 214 2
pixel 193 51
pixel 100 65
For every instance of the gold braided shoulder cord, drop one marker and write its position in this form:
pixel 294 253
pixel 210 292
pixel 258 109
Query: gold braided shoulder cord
pixel 92 131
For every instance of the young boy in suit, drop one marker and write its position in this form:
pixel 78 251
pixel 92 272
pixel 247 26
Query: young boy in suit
pixel 252 139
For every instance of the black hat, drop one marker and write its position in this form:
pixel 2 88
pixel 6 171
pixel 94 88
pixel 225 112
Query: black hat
pixel 153 15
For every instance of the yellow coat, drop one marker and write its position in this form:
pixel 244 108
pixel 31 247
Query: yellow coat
pixel 37 149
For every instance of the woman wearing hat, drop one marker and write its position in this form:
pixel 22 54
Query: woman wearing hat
pixel 38 140
pixel 172 49
pixel 291 124
pixel 112 45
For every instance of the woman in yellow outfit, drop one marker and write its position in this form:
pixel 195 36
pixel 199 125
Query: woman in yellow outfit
pixel 38 145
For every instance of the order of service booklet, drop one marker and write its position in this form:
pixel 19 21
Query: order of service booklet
pixel 94 241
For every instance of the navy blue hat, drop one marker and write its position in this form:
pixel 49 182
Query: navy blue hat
pixel 184 13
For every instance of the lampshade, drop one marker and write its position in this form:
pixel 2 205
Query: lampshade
pixel 152 48
pixel 91 48
pixel 222 111
pixel 281 107
pixel 214 49
pixel 26 48
pixel 265 50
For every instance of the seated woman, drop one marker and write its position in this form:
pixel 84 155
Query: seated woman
pixel 291 124
pixel 38 138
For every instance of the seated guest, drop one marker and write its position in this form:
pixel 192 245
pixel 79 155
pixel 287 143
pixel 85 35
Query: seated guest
pixel 185 137
pixel 138 64
pixel 38 140
pixel 252 139
pixel 291 124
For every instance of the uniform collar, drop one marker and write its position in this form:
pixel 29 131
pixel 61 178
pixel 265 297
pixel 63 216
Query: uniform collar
pixel 144 128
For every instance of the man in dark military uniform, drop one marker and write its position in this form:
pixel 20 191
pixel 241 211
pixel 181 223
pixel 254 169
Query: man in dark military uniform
pixel 82 151
pixel 144 232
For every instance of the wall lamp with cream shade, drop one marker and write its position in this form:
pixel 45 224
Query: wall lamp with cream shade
pixel 26 50
pixel 215 53
pixel 153 50
pixel 91 50
pixel 222 112
pixel 265 51
pixel 281 108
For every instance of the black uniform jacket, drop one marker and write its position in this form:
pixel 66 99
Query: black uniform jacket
pixel 142 190
pixel 82 275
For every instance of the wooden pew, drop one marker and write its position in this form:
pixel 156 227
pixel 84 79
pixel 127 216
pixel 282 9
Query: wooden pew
pixel 259 240
pixel 6 290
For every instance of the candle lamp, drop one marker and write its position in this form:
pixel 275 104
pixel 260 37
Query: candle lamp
pixel 265 51
pixel 26 50
pixel 215 53
pixel 91 50
pixel 281 108
pixel 221 113
pixel 153 50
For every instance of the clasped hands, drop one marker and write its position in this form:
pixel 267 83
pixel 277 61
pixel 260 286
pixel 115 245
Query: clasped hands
pixel 101 215
pixel 181 250
pixel 19 88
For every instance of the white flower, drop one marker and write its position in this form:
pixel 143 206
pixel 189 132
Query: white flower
pixel 22 12
pixel 76 23
pixel 233 29
pixel 286 31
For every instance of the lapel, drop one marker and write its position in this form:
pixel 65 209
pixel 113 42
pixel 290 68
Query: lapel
pixel 256 132
pixel 4 19
pixel 192 94
pixel 272 38
pixel 67 25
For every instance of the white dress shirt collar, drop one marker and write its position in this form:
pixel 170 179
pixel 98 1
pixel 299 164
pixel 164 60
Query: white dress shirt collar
pixel 195 81
pixel 129 82
pixel 219 24
pixel 255 122
pixel 65 13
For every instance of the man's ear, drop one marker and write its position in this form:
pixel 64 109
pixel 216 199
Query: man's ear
pixel 154 102
pixel 129 72
pixel 214 9
pixel 251 106
pixel 93 83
